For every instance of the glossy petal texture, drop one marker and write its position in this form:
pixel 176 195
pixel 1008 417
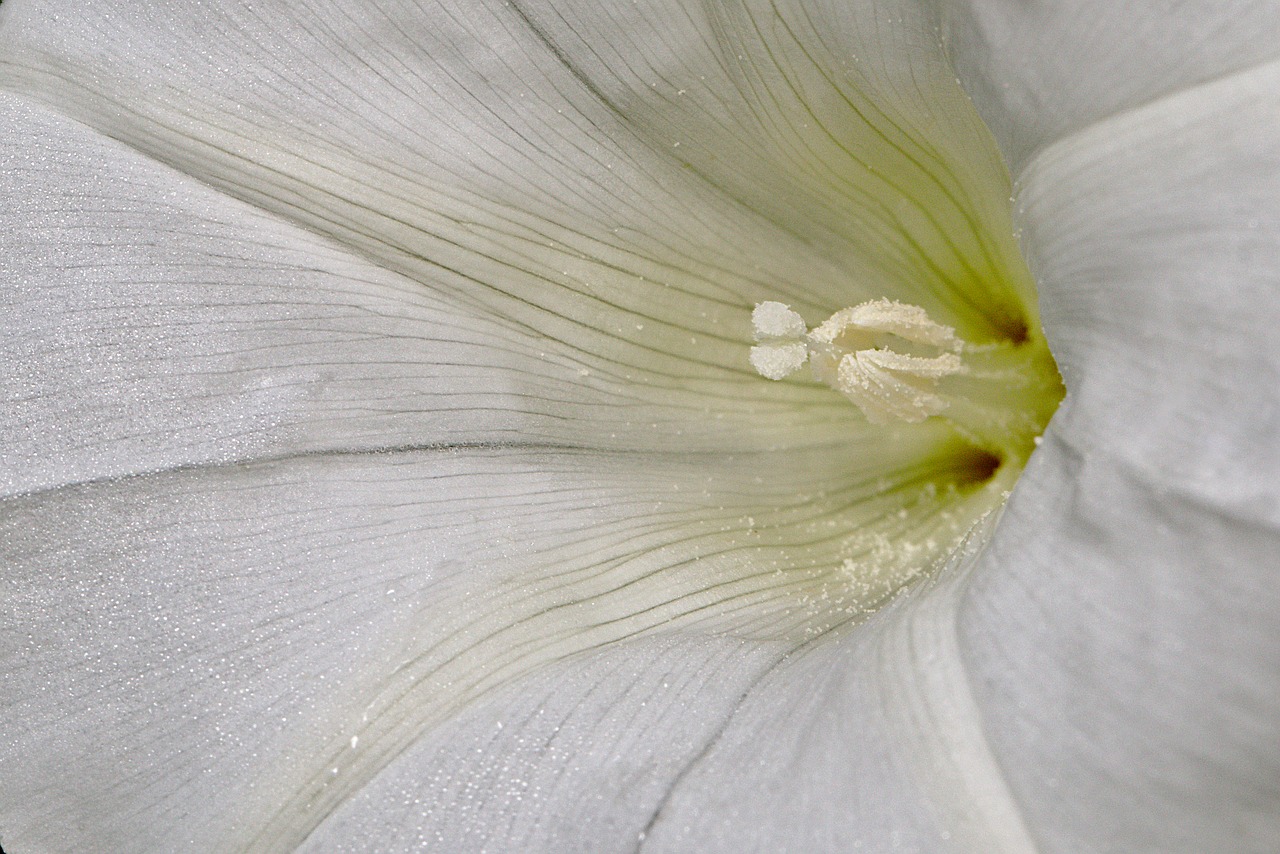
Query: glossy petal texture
pixel 351 346
pixel 1122 635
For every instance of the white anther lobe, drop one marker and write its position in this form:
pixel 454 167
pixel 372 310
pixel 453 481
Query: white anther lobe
pixel 779 361
pixel 774 320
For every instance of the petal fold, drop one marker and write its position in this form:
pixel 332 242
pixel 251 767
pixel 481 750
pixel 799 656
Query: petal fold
pixel 1040 71
pixel 1122 632
pixel 869 743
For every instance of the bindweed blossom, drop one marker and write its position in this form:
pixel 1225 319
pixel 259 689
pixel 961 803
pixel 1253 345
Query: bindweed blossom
pixel 385 467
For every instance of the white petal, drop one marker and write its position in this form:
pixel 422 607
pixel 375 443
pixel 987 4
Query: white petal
pixel 579 756
pixel 190 654
pixel 153 323
pixel 871 743
pixel 860 743
pixel 522 176
pixel 1155 239
pixel 1124 633
pixel 1039 71
pixel 565 165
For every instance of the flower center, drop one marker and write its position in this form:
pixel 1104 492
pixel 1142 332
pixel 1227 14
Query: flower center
pixel 898 365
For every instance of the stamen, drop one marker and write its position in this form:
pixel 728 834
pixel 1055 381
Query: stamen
pixel 885 356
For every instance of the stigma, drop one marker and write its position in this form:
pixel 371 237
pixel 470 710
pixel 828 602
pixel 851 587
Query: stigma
pixel 886 357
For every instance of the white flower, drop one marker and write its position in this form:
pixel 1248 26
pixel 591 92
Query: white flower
pixel 384 468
